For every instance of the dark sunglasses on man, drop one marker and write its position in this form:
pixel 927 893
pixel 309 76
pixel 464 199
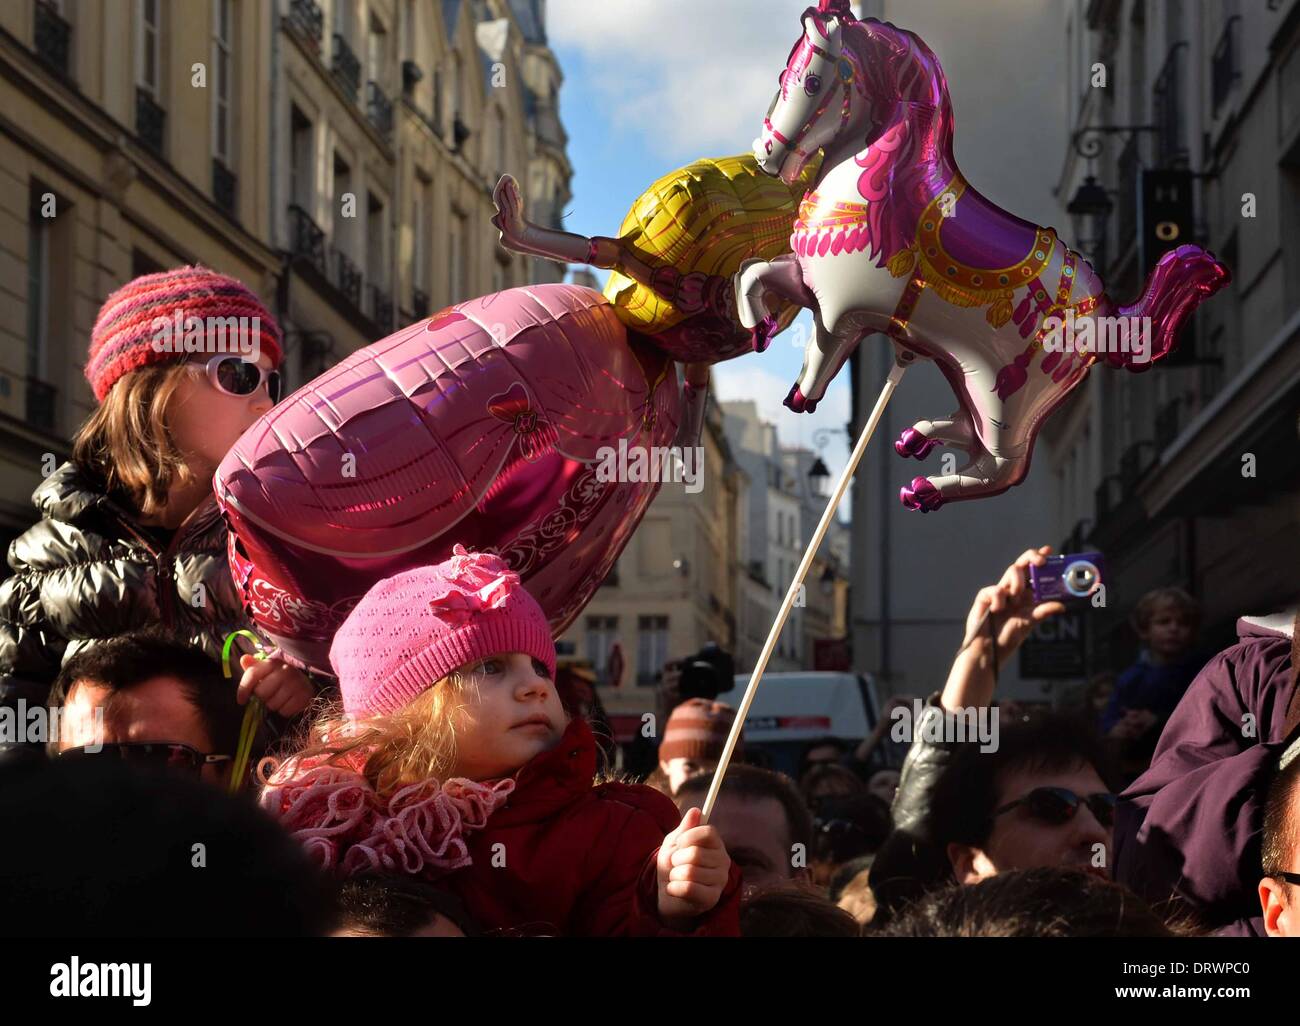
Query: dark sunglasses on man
pixel 151 754
pixel 1057 805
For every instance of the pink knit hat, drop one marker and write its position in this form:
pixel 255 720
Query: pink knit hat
pixel 411 630
pixel 124 333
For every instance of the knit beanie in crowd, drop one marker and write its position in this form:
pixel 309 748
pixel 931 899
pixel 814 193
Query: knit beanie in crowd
pixel 410 631
pixel 128 325
pixel 697 729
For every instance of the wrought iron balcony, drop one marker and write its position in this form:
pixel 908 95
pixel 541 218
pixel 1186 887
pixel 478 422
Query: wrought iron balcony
pixel 380 110
pixel 1224 70
pixel 306 239
pixel 40 404
pixel 1134 462
pixel 224 183
pixel 419 304
pixel 1107 496
pixel 1168 423
pixel 346 67
pixel 52 36
pixel 306 19
pixel 381 308
pixel 347 276
pixel 150 121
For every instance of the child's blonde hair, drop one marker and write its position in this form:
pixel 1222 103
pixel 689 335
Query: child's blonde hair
pixel 126 441
pixel 1153 600
pixel 414 743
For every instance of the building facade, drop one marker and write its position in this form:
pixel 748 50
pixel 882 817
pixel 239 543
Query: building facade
pixel 338 157
pixel 674 587
pixel 1189 475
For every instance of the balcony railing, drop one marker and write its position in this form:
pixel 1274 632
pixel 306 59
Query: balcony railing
pixel 306 19
pixel 346 67
pixel 40 404
pixel 224 184
pixel 347 276
pixel 1223 65
pixel 419 304
pixel 1130 181
pixel 1170 112
pixel 380 110
pixel 306 239
pixel 1108 496
pixel 1078 537
pixel 1168 423
pixel 460 132
pixel 150 121
pixel 1134 462
pixel 52 36
pixel 381 309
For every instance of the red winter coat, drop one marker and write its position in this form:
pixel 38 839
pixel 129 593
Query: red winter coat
pixel 578 860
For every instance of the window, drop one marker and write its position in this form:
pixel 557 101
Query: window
pixel 38 280
pixel 602 632
pixel 651 648
pixel 221 74
pixel 343 18
pixel 342 187
pixel 376 265
pixel 422 219
pixel 377 52
pixel 458 265
pixel 148 72
pixel 501 165
pixel 300 159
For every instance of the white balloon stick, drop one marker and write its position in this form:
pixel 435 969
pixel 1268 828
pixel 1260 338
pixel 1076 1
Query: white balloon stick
pixel 895 376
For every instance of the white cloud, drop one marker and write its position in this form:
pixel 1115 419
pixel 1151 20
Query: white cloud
pixel 691 77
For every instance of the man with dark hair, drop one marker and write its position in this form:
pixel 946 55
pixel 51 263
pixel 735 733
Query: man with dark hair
pixel 763 821
pixel 398 906
pixel 147 698
pixel 107 849
pixel 1043 902
pixel 1279 890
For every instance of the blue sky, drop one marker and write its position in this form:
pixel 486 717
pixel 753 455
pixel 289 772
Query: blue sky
pixel 651 86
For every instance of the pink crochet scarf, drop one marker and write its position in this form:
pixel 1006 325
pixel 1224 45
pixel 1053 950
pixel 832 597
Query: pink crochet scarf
pixel 348 829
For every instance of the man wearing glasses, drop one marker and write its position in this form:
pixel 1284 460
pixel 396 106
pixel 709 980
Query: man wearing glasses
pixel 1279 890
pixel 146 699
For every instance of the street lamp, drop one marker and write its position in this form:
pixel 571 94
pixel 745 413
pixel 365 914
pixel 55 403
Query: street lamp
pixel 1089 212
pixel 819 479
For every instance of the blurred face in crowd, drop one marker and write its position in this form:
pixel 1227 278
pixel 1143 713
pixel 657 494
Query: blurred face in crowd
pixel 680 769
pixel 883 784
pixel 1169 631
pixel 155 710
pixel 821 755
pixel 757 836
pixel 1022 840
pixel 512 713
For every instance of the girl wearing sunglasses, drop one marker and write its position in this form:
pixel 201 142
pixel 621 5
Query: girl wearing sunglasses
pixel 130 535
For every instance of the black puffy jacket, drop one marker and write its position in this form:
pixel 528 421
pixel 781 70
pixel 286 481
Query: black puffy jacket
pixel 89 571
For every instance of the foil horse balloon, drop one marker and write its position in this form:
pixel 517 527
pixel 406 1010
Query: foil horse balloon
pixel 493 423
pixel 893 239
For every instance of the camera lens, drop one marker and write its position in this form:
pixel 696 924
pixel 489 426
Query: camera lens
pixel 1081 578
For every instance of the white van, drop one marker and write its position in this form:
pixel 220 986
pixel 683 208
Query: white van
pixel 792 709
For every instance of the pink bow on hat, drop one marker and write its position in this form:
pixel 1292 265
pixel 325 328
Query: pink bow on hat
pixel 476 582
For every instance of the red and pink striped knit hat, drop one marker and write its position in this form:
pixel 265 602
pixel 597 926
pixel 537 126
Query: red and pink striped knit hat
pixel 124 333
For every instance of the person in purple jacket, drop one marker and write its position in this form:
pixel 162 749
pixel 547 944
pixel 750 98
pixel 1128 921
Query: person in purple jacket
pixel 1190 826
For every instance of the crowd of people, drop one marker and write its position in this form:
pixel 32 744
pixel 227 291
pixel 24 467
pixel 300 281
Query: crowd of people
pixel 448 778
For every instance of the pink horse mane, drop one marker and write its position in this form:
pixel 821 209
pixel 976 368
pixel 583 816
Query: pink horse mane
pixel 898 165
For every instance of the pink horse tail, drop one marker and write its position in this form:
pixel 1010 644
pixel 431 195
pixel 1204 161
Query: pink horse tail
pixel 1181 280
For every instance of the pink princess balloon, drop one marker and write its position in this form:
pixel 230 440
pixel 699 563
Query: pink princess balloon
pixel 483 426
pixel 892 239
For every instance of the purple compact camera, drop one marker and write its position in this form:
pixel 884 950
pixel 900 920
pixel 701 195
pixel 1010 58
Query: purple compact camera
pixel 1070 576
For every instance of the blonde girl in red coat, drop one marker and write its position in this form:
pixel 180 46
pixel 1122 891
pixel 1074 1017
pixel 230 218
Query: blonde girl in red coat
pixel 453 759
